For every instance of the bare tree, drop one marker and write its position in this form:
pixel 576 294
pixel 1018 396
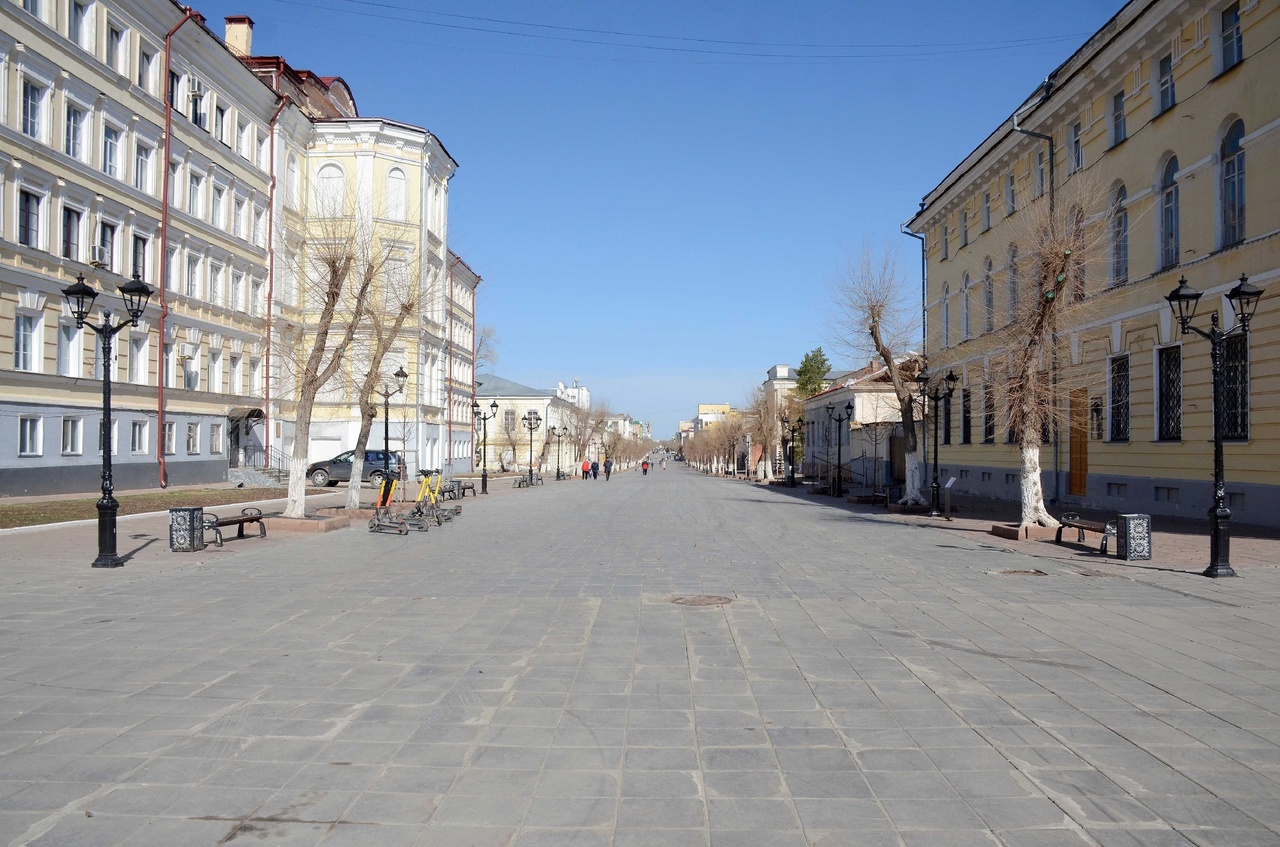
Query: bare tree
pixel 486 348
pixel 766 428
pixel 338 267
pixel 875 314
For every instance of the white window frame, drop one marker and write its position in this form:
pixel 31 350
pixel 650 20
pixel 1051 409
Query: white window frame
pixel 986 211
pixel 121 47
pixel 143 165
pixel 106 242
pixel 1220 39
pixel 1075 147
pixel 76 251
pixel 34 102
pixel 139 358
pixel 28 343
pixel 70 355
pixel 80 32
pixel 73 130
pixel 72 436
pixel 138 438
pixel 30 436
pixel 1119 124
pixel 1164 83
pixel 193 438
pixel 170 437
pixel 1010 194
pixel 216 446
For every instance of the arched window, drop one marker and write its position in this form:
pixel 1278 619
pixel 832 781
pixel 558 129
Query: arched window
pixel 1233 185
pixel 966 326
pixel 1011 282
pixel 946 316
pixel 1169 251
pixel 988 297
pixel 292 190
pixel 330 191
pixel 395 194
pixel 1119 237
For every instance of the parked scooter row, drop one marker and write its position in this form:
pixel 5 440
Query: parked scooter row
pixel 428 507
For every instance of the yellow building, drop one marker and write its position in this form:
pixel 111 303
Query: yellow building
pixel 1165 130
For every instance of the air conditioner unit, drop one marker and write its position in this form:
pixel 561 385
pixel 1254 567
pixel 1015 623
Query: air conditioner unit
pixel 187 352
pixel 197 88
pixel 99 256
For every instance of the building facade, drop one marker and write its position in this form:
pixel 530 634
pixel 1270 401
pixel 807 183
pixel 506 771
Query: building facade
pixel 1157 138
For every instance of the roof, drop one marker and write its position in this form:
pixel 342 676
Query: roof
pixel 489 385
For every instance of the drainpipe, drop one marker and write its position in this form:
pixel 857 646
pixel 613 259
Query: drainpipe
pixel 448 369
pixel 271 270
pixel 188 14
pixel 1046 87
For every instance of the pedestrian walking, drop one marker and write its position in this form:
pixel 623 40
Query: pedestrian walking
pixel 644 468
pixel 608 468
pixel 595 469
pixel 586 469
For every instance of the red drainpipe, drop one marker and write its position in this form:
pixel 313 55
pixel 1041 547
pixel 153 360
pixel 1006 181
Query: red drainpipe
pixel 188 14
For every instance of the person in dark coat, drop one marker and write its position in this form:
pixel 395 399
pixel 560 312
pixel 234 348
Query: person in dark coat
pixel 595 469
pixel 608 468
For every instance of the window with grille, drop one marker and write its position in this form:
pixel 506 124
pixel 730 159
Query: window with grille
pixel 111 151
pixel 1169 393
pixel 966 416
pixel 1120 398
pixel 1232 155
pixel 140 246
pixel 1235 387
pixel 988 414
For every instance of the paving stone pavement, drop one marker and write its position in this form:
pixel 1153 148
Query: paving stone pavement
pixel 521 677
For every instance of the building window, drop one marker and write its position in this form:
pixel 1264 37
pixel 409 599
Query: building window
pixel 945 407
pixel 1118 132
pixel 32 104
pixel 110 151
pixel 1232 37
pixel 142 168
pixel 1119 398
pixel 1232 155
pixel 193 277
pixel 330 191
pixel 215 439
pixel 77 23
pixel 138 360
pixel 1075 147
pixel 72 430
pixel 1040 179
pixel 220 124
pixel 1169 397
pixel 32 6
pixel 964 227
pixel 966 323
pixel 1235 387
pixel 193 438
pixel 71 219
pixel 29 219
pixel 237 219
pixel 1169 214
pixel 115 38
pixel 140 246
pixel 29 436
pixel 196 93
pixel 106 246
pixel 946 316
pixel 986 211
pixel 988 297
pixel 26 343
pixel 1164 81
pixel 1012 282
pixel 966 416
pixel 215 285
pixel 237 291
pixel 74 142
pixel 1119 238
pixel 946 249
pixel 69 352
pixel 170 437
pixel 193 195
pixel 988 414
pixel 219 195
pixel 396 194
pixel 255 377
pixel 145 62
pixel 138 437
pixel 1010 193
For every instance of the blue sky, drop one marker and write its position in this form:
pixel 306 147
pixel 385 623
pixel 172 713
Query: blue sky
pixel 658 194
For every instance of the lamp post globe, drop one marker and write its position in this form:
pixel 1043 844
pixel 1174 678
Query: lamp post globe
pixel 80 299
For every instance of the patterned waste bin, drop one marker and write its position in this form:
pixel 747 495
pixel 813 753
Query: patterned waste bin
pixel 186 529
pixel 1133 537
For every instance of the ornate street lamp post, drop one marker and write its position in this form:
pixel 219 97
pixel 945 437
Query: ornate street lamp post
pixel 531 421
pixel 1244 301
pixel 484 440
pixel 80 299
pixel 558 435
pixel 937 393
pixel 789 447
pixel 839 420
pixel 386 393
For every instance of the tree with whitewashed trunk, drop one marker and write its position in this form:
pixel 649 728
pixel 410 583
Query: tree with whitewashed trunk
pixel 875 315
pixel 766 429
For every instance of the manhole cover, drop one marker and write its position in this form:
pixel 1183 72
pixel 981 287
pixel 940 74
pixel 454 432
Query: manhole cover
pixel 1020 573
pixel 701 600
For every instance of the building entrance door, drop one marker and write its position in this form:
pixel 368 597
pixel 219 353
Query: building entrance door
pixel 1079 458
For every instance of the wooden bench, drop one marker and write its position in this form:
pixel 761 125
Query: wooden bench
pixel 246 516
pixel 464 487
pixel 1071 520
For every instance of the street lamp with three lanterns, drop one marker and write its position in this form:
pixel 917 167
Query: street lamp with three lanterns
pixel 838 488
pixel 386 392
pixel 484 440
pixel 940 391
pixel 789 446
pixel 531 420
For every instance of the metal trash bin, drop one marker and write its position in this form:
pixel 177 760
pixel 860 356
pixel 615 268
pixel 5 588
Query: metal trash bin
pixel 186 529
pixel 1133 537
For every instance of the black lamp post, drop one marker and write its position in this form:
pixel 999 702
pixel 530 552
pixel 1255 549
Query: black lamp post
pixel 531 421
pixel 558 435
pixel 937 393
pixel 1244 301
pixel 789 447
pixel 848 416
pixel 386 393
pixel 80 299
pixel 484 440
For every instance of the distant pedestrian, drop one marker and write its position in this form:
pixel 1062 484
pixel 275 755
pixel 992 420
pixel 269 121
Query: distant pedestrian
pixel 586 469
pixel 644 467
pixel 595 470
pixel 608 468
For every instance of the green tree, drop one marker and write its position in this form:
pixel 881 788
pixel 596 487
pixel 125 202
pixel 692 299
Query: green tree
pixel 812 373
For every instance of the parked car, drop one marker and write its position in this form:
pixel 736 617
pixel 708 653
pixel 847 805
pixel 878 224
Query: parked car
pixel 338 469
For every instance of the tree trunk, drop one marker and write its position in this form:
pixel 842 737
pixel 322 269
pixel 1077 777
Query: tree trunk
pixel 355 486
pixel 296 506
pixel 1033 511
pixel 912 495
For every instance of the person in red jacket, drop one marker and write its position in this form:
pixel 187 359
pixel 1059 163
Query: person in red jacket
pixel 644 467
pixel 586 469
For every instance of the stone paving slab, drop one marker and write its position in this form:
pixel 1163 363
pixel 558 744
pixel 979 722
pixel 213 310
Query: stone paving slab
pixel 521 677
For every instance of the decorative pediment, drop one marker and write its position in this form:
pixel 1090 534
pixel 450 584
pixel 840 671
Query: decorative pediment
pixel 215 341
pixel 237 346
pixel 194 335
pixel 31 300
